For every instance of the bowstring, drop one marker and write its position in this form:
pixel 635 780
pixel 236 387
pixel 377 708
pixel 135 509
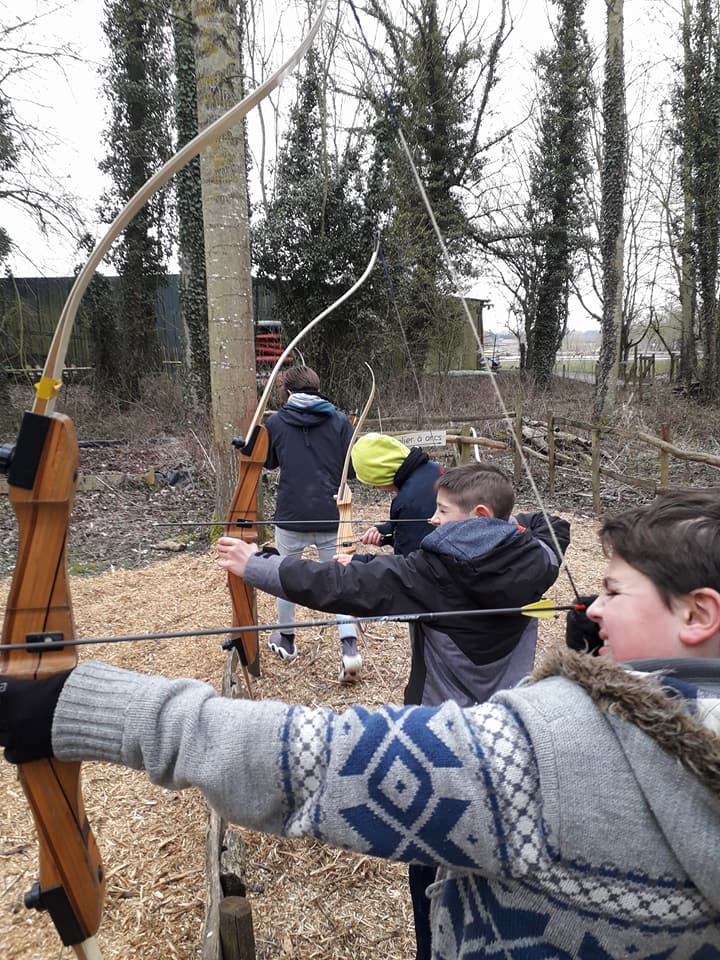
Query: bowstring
pixel 393 114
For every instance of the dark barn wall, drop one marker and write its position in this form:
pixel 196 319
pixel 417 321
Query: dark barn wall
pixel 30 308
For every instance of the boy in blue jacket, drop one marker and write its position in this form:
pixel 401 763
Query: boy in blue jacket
pixel 308 440
pixel 477 557
pixel 384 462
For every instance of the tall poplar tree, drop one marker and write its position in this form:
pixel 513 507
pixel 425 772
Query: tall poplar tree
pixel 557 180
pixel 191 240
pixel 699 135
pixel 613 183
pixel 315 237
pixel 137 84
pixel 8 160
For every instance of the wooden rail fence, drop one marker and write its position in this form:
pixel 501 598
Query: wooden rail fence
pixel 462 444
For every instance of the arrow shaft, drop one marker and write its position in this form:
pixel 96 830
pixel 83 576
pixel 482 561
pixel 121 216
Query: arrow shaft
pixel 256 628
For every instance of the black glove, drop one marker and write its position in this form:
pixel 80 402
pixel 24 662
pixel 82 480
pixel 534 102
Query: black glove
pixel 582 633
pixel 27 708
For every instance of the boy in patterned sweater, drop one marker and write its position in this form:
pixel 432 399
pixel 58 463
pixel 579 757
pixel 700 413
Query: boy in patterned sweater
pixel 575 816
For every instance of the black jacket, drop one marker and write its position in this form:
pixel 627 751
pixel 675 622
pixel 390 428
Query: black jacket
pixel 309 445
pixel 415 498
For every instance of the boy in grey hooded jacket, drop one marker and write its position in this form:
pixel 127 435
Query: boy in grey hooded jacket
pixel 575 816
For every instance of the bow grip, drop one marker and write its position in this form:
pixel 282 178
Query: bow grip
pixel 43 469
pixel 246 445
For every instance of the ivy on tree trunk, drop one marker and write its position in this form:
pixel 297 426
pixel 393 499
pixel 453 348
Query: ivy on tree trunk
pixel 137 84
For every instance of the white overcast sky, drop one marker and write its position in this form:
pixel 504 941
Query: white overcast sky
pixel 70 105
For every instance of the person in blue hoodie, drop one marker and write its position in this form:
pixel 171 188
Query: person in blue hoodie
pixel 478 556
pixel 308 441
pixel 385 462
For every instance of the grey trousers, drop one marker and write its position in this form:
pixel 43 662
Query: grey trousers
pixel 292 543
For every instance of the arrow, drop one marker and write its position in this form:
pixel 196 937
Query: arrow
pixel 540 610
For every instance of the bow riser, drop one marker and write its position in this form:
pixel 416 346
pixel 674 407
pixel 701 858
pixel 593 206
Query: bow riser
pixel 244 507
pixel 345 537
pixel 42 483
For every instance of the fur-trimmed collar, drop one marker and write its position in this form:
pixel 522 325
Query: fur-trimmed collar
pixel 642 700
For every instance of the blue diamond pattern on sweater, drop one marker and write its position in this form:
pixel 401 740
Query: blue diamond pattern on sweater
pixel 413 726
pixel 402 807
pixel 497 931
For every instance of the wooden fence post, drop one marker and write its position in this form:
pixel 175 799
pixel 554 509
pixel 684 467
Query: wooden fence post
pixel 517 469
pixel 596 468
pixel 664 456
pixel 463 449
pixel 551 452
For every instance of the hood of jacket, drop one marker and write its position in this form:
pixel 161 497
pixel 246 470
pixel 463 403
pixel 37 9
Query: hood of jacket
pixel 491 563
pixel 680 783
pixel 469 539
pixel 305 410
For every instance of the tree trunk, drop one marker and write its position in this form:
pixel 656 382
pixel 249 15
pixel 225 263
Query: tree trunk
pixel 688 353
pixel 191 244
pixel 613 180
pixel 227 239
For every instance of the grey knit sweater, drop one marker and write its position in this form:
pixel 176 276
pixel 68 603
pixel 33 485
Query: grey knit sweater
pixel 561 827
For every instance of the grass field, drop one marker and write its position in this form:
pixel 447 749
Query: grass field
pixel 585 365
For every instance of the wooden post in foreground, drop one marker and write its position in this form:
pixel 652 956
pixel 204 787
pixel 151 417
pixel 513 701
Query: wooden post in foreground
pixel 236 929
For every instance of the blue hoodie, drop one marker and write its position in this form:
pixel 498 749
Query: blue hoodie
pixel 308 438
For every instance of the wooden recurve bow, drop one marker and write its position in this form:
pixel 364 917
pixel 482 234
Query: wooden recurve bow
pixel 242 515
pixel 42 469
pixel 42 478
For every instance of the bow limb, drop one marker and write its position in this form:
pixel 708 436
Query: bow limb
pixel 262 403
pixel 41 484
pixel 42 474
pixel 345 541
pixel 252 456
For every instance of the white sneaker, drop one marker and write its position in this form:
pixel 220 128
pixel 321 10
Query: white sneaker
pixel 283 644
pixel 351 669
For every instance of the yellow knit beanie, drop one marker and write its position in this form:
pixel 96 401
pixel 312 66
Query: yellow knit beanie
pixel 376 458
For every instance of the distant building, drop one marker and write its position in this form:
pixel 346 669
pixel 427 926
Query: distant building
pixel 30 308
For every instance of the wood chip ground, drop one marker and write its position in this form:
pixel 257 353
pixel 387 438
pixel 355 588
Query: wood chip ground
pixel 308 901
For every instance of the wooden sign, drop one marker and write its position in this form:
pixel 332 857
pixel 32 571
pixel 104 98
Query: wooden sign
pixel 423 438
